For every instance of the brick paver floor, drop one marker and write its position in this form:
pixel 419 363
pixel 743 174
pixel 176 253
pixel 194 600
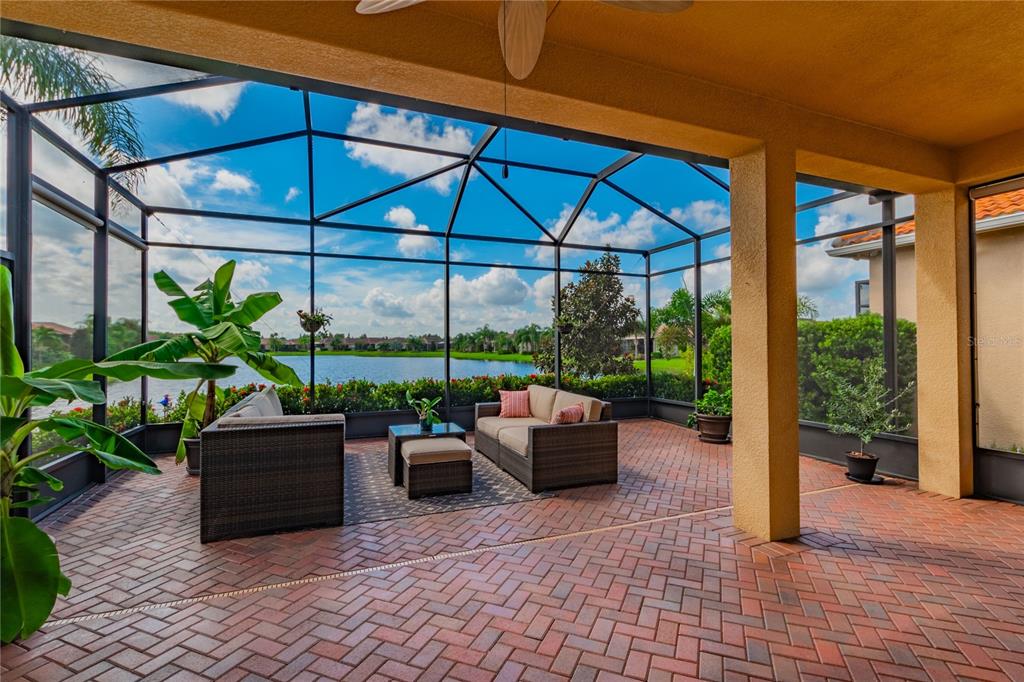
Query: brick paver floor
pixel 646 579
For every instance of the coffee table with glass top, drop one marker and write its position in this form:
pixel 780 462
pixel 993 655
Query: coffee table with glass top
pixel 401 433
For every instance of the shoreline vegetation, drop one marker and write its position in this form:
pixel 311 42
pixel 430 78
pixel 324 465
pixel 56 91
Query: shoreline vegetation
pixel 676 364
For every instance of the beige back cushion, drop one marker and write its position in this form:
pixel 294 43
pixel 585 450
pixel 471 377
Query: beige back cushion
pixel 270 393
pixel 591 406
pixel 262 405
pixel 542 399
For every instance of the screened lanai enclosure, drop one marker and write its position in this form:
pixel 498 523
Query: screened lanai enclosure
pixel 454 252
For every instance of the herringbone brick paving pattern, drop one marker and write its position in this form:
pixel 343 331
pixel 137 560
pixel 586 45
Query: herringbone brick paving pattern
pixel 885 583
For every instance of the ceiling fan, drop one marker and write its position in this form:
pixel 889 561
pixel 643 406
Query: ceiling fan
pixel 521 24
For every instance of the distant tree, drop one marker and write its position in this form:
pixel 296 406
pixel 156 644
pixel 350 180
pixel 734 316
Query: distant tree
pixel 806 309
pixel 337 342
pixel 48 347
pixel 671 337
pixel 275 343
pixel 596 314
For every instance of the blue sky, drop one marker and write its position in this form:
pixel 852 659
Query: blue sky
pixel 381 299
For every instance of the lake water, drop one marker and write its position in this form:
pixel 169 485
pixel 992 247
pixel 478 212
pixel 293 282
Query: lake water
pixel 341 368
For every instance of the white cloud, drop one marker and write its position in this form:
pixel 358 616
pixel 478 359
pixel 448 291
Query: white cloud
pixel 635 232
pixel 217 102
pixel 702 215
pixel 411 245
pixel 369 120
pixel 292 194
pixel 385 304
pixel 229 181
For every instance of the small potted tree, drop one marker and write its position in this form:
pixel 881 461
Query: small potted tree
pixel 424 410
pixel 713 415
pixel 864 410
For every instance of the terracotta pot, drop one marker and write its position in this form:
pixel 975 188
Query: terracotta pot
pixel 714 428
pixel 193 456
pixel 860 466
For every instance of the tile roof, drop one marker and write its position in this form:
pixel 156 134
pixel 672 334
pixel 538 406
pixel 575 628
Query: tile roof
pixel 1006 203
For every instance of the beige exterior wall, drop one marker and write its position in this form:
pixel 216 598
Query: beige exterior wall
pixel 1000 328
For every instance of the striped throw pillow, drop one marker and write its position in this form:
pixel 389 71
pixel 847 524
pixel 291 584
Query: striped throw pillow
pixel 569 415
pixel 514 403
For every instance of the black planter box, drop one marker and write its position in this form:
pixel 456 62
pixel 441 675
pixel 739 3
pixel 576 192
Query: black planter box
pixel 999 475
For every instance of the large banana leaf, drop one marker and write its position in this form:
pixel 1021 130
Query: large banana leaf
pixel 130 364
pixel 10 359
pixel 271 369
pixel 254 307
pixel 46 391
pixel 185 307
pixel 31 576
pixel 228 337
pixel 110 447
pixel 220 294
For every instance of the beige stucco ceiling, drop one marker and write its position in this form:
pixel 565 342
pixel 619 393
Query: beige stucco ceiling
pixel 951 73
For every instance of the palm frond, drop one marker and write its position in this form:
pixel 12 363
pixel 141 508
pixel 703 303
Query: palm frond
pixel 47 72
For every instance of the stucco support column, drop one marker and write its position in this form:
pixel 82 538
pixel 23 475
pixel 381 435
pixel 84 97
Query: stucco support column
pixel 942 246
pixel 766 476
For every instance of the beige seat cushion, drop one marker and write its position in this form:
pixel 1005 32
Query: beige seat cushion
pixel 591 406
pixel 248 416
pixel 492 426
pixel 516 437
pixel 435 450
pixel 542 399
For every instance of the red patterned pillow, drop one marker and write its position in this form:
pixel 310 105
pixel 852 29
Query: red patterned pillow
pixel 515 403
pixel 568 415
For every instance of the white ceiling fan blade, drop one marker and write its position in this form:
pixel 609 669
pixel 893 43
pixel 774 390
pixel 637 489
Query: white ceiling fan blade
pixel 521 32
pixel 381 6
pixel 655 6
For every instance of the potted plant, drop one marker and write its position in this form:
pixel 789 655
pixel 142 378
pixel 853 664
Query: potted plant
pixel 223 330
pixel 29 563
pixel 424 410
pixel 864 410
pixel 315 321
pixel 713 415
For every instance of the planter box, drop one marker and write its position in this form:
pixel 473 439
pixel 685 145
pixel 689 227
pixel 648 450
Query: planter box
pixel 670 410
pixel 999 475
pixel 162 439
pixel 628 408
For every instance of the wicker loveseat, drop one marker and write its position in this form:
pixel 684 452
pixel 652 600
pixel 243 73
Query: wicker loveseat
pixel 545 456
pixel 265 472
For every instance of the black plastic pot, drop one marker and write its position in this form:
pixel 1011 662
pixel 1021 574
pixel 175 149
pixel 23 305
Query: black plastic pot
pixel 193 456
pixel 860 467
pixel 714 428
pixel 426 426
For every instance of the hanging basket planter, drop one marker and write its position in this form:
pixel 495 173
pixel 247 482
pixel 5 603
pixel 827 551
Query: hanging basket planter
pixel 315 321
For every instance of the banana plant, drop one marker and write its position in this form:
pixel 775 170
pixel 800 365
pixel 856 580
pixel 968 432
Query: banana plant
pixel 29 563
pixel 223 329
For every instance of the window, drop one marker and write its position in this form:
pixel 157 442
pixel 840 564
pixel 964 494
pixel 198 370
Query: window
pixel 861 296
pixel 999 319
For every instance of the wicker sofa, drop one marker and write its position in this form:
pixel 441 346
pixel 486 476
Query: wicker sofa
pixel 265 472
pixel 545 456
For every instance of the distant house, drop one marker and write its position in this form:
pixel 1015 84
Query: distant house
pixel 999 229
pixel 60 329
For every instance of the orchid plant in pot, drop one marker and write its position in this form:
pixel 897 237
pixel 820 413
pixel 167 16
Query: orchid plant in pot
pixel 30 568
pixel 425 410
pixel 864 410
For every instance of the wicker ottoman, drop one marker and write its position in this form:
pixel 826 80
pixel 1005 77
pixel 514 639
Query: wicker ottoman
pixel 437 466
